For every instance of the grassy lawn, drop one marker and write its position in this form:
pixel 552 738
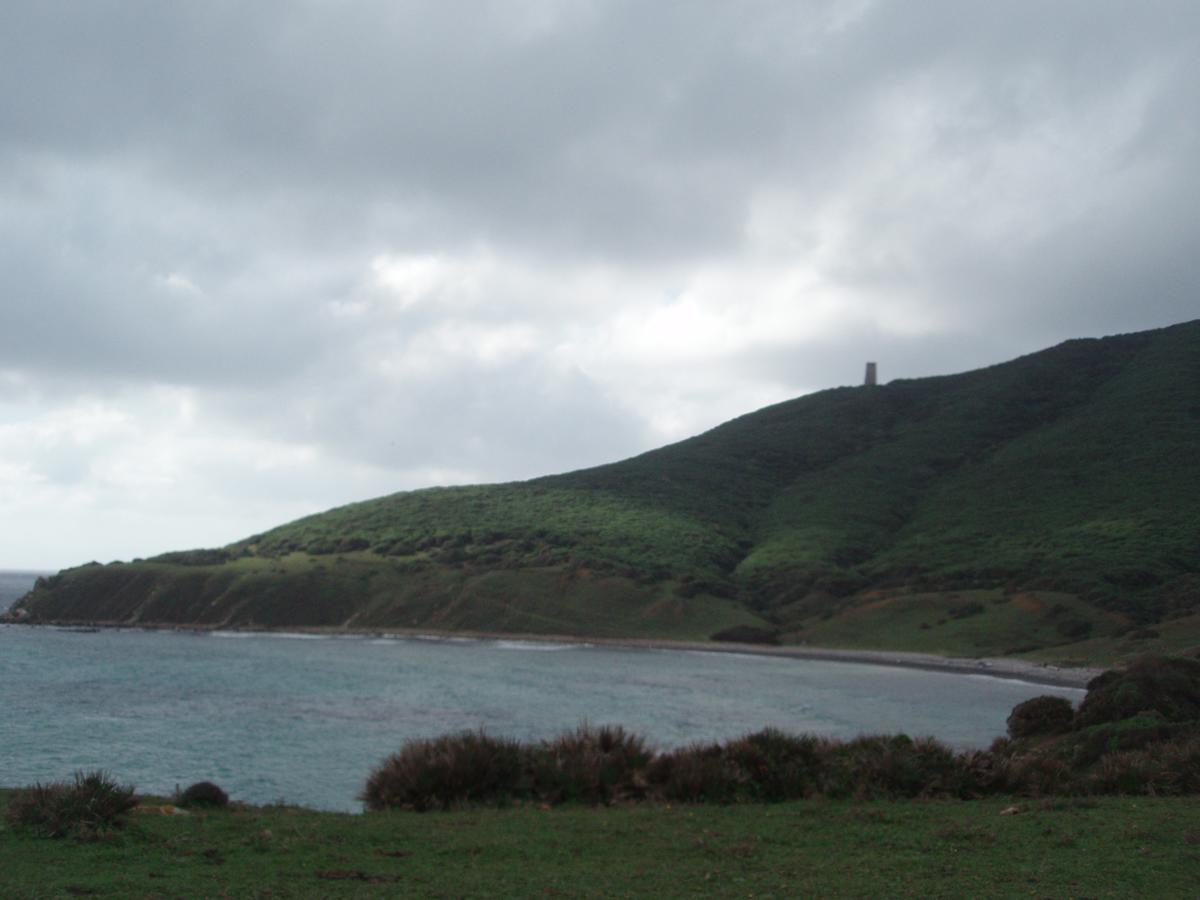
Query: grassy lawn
pixel 1110 847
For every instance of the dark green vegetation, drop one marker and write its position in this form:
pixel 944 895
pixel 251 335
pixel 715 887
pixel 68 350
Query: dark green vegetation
pixel 1136 732
pixel 1050 504
pixel 87 808
pixel 1104 847
pixel 202 794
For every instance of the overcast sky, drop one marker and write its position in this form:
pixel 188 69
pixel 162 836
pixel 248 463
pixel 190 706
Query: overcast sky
pixel 260 259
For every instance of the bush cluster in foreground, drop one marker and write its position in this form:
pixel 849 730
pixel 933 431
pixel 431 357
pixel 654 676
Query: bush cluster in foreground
pixel 1136 732
pixel 203 794
pixel 90 806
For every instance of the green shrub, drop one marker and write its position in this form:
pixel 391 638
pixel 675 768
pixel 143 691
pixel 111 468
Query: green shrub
pixel 775 766
pixel 981 773
pixel 1040 716
pixel 1158 769
pixel 768 765
pixel 1135 733
pixel 90 806
pixel 1040 775
pixel 590 765
pixel 700 773
pixel 1167 685
pixel 203 793
pixel 1130 772
pixel 469 767
pixel 1182 757
pixel 887 766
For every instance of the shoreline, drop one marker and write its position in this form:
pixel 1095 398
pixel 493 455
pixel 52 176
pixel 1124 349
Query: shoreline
pixel 994 667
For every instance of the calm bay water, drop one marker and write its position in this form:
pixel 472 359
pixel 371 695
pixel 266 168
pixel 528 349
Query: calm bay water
pixel 304 719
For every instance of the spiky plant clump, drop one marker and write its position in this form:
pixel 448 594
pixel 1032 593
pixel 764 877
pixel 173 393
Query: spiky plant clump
pixel 776 766
pixel 699 773
pixel 591 765
pixel 892 766
pixel 88 807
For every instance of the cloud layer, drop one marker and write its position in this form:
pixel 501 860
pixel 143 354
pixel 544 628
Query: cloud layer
pixel 260 259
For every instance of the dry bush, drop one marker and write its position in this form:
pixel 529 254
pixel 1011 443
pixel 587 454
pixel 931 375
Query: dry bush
pixel 1131 772
pixel 700 773
pixel 888 766
pixel 775 766
pixel 92 805
pixel 1040 775
pixel 982 773
pixel 590 765
pixel 469 767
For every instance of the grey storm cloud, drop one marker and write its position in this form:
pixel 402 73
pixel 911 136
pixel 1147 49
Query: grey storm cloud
pixel 395 242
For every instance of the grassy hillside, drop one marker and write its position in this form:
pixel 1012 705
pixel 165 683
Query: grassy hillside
pixel 1070 474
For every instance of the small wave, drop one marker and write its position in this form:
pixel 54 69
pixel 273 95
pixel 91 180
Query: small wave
pixel 534 645
pixel 723 654
pixel 298 636
pixel 282 635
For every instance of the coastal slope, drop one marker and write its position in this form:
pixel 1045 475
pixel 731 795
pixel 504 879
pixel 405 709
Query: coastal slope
pixel 1049 501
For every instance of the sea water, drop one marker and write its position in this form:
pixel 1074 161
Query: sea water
pixel 302 719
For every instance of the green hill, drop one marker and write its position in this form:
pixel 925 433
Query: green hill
pixel 1050 500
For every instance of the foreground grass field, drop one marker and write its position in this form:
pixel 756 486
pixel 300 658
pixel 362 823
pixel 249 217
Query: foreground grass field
pixel 1110 847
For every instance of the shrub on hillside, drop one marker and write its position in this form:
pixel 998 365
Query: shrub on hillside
pixel 773 765
pixel 889 766
pixel 1167 685
pixel 1132 772
pixel 1182 757
pixel 91 805
pixel 1040 716
pixel 700 773
pixel 469 767
pixel 1135 733
pixel 203 793
pixel 981 773
pixel 768 765
pixel 1164 768
pixel 1040 775
pixel 590 765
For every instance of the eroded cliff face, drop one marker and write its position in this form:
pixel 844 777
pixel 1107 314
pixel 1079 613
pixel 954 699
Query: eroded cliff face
pixel 371 594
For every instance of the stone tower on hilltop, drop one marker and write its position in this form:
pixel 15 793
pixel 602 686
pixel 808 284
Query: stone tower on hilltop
pixel 870 380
